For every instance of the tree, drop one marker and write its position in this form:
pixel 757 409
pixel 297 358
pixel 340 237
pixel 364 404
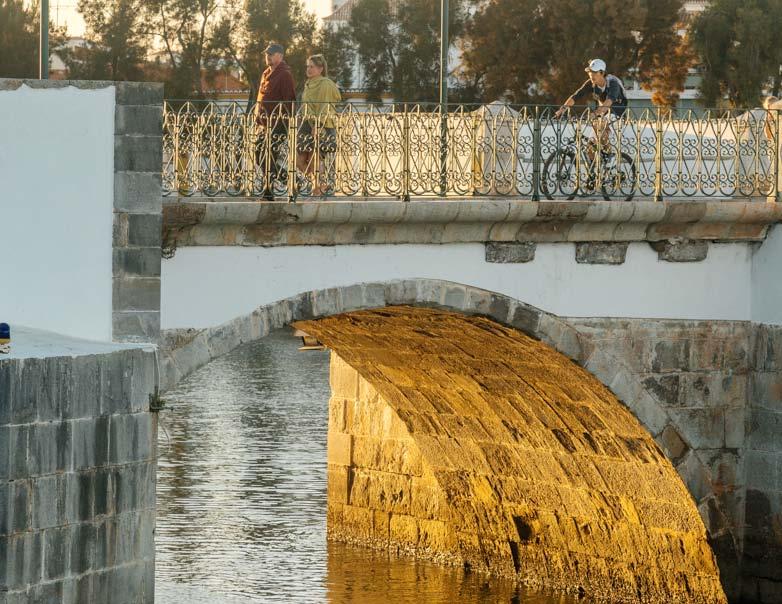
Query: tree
pixel 337 46
pixel 185 29
pixel 117 46
pixel 244 33
pixel 19 39
pixel 372 29
pixel 739 43
pixel 417 76
pixel 535 51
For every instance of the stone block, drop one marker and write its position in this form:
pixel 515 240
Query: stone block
pixel 374 295
pixel 401 292
pixel 136 325
pixel 50 448
pixel 79 497
pixel 126 542
pixel 138 192
pixel 649 412
pixel 510 253
pixel 137 262
pixel 145 230
pixel 131 438
pixel 672 444
pixel 83 540
pixel 136 293
pixel 455 297
pixel 90 442
pixel 670 355
pixel 664 388
pixel 85 395
pixel 525 318
pixel 138 119
pixel 48 501
pixel 18 446
pixel 339 448
pixel 142 379
pixel 681 251
pixel 766 390
pixel 19 506
pixel 138 153
pixel 762 469
pixel 594 252
pixel 430 292
pixel 735 424
pixel 55 553
pixel 102 492
pixel 763 429
pixel 701 428
pixel 77 590
pixel 326 302
pixel 24 560
pixel 499 308
pixel 139 93
pixel 695 476
pixel 116 382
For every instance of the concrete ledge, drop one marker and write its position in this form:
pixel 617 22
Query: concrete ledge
pixel 221 221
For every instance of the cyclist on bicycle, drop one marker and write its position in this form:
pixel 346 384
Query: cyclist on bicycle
pixel 608 91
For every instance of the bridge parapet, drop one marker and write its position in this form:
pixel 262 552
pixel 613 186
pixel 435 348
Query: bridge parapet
pixel 226 222
pixel 412 150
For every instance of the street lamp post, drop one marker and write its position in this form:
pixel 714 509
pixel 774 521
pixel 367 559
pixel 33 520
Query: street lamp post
pixel 43 69
pixel 443 96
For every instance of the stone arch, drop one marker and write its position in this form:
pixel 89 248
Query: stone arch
pixel 183 351
pixel 460 439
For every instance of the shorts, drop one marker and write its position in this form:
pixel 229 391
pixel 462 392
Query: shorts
pixel 305 139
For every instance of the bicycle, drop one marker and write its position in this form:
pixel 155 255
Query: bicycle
pixel 573 172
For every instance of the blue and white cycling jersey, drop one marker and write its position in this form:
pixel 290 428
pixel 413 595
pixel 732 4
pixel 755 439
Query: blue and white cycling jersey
pixel 614 90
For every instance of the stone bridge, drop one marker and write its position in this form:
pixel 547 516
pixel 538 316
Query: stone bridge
pixel 578 394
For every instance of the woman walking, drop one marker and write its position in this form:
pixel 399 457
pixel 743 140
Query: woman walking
pixel 317 131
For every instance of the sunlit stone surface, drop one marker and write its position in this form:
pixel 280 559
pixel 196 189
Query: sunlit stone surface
pixel 457 439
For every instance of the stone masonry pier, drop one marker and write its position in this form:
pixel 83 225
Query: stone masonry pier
pixel 78 457
pixel 459 439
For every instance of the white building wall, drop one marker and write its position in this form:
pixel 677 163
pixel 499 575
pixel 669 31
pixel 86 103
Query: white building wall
pixel 206 286
pixel 767 280
pixel 57 175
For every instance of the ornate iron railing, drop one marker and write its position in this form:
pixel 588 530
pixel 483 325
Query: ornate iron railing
pixel 403 151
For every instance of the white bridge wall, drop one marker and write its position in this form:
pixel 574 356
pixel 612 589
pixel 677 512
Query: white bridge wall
pixel 56 209
pixel 206 286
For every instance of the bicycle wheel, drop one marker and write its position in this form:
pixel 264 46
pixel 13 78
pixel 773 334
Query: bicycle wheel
pixel 620 180
pixel 559 174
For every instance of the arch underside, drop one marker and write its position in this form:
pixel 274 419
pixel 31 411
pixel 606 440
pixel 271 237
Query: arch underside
pixel 458 439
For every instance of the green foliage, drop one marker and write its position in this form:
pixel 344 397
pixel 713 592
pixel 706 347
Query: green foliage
pixel 117 44
pixel 535 51
pixel 740 46
pixel 400 52
pixel 19 36
pixel 337 46
pixel 372 29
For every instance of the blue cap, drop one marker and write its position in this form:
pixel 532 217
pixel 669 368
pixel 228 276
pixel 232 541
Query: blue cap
pixel 5 331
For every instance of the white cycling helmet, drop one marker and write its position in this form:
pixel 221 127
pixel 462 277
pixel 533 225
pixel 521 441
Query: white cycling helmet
pixel 596 65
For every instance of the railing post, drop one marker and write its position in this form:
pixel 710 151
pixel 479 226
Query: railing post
pixel 658 168
pixel 405 154
pixel 292 132
pixel 536 152
pixel 443 150
pixel 777 158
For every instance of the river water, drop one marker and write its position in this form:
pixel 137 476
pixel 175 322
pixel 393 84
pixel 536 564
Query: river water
pixel 241 496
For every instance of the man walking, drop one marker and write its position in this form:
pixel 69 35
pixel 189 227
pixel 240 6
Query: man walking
pixel 276 95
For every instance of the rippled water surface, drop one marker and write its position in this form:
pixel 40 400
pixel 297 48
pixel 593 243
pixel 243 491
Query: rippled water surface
pixel 242 496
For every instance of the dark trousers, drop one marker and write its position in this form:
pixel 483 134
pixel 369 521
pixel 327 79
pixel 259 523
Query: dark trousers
pixel 270 151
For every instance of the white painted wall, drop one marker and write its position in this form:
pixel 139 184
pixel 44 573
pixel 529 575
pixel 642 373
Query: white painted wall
pixel 56 204
pixel 206 286
pixel 767 279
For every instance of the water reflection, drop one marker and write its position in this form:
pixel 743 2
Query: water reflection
pixel 242 496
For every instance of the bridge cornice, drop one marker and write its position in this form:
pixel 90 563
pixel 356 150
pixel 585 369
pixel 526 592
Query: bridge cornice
pixel 227 222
